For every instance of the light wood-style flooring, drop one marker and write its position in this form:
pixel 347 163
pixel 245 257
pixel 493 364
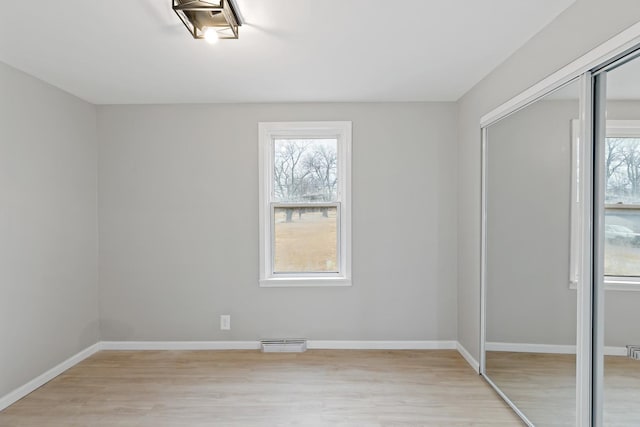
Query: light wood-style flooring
pixel 543 387
pixel 249 388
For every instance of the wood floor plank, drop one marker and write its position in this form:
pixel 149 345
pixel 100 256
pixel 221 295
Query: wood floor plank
pixel 249 388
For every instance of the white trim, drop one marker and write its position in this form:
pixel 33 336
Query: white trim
pixel 617 45
pixel 483 247
pixel 623 128
pixel 255 345
pixel 584 293
pixel 41 380
pixel 548 348
pixel 615 283
pixel 615 351
pixel 180 345
pixel 381 345
pixel 298 282
pixel 468 357
pixel 267 131
pixel 578 189
pixel 531 348
pixel 599 127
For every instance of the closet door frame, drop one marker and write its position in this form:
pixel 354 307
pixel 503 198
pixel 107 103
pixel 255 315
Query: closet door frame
pixel 599 84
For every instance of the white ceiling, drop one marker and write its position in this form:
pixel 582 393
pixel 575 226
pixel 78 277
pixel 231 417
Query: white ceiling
pixel 137 51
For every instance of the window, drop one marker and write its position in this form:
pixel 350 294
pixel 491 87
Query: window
pixel 622 201
pixel 305 197
pixel 622 205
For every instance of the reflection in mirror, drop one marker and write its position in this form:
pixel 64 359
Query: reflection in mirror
pixel 621 404
pixel 530 310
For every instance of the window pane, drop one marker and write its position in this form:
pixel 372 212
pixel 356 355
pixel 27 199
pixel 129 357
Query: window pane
pixel 622 158
pixel 622 222
pixel 622 242
pixel 305 240
pixel 305 170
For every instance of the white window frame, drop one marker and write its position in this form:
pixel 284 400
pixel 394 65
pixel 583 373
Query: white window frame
pixel 615 128
pixel 268 132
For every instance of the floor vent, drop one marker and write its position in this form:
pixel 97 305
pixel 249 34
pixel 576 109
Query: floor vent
pixel 633 352
pixel 284 346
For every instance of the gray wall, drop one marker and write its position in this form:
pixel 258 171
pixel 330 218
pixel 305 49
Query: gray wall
pixel 528 226
pixel 48 215
pixel 580 28
pixel 178 208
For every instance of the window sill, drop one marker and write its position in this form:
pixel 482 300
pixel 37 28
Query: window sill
pixel 612 283
pixel 304 282
pixel 622 283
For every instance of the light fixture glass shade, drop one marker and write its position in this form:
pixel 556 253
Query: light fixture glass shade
pixel 200 15
pixel 211 35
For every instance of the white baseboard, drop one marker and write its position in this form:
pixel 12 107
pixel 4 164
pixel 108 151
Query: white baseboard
pixel 615 351
pixel 180 345
pixel 530 348
pixel 548 348
pixel 41 380
pixel 468 357
pixel 255 345
pixel 381 345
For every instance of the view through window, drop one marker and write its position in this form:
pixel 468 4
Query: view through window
pixel 305 214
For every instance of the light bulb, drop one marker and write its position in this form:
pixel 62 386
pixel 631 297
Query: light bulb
pixel 211 35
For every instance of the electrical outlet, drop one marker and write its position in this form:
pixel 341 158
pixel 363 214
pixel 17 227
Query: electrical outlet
pixel 225 322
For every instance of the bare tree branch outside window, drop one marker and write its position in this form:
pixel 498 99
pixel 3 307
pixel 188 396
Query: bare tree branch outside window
pixel 305 171
pixel 622 162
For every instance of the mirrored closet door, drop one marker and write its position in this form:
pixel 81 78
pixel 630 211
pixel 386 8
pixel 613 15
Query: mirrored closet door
pixel 530 308
pixel 617 297
pixel 561 250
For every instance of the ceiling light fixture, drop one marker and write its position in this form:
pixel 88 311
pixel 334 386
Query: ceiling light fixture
pixel 211 19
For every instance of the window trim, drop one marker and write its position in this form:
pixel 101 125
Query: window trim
pixel 615 128
pixel 267 133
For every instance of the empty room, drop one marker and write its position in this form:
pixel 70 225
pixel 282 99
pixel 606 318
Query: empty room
pixel 320 212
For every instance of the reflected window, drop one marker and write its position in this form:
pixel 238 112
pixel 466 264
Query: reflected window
pixel 622 206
